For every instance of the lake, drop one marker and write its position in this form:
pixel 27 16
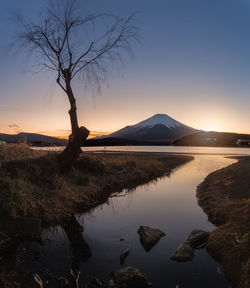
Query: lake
pixel 164 149
pixel 175 149
pixel 169 204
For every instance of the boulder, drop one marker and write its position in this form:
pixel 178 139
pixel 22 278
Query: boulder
pixel 183 253
pixel 129 277
pixel 198 239
pixel 149 236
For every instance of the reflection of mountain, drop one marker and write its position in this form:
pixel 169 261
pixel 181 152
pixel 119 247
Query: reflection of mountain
pixel 33 138
pixel 156 130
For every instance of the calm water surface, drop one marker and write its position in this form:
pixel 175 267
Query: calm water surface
pixel 164 149
pixel 169 204
pixel 176 149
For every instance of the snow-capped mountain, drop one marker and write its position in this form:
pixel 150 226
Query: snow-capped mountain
pixel 159 126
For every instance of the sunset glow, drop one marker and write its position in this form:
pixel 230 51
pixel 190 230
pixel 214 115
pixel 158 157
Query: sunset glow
pixel 124 143
pixel 188 71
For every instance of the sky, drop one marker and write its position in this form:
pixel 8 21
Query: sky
pixel 192 63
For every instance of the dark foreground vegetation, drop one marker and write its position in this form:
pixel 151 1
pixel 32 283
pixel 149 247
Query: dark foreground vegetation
pixel 225 197
pixel 35 194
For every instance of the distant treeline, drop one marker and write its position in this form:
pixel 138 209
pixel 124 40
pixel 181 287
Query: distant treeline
pixel 214 139
pixel 110 141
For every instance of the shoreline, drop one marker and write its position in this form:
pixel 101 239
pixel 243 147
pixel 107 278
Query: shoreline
pixel 95 177
pixel 224 196
pixel 37 196
pixel 179 150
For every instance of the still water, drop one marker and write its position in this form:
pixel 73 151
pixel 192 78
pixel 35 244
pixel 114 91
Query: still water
pixel 169 204
pixel 164 149
pixel 175 149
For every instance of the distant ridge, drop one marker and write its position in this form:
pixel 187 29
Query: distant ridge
pixel 32 138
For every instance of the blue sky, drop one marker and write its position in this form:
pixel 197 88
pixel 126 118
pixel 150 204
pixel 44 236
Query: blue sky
pixel 193 63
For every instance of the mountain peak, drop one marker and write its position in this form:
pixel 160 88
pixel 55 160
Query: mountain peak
pixel 159 126
pixel 162 119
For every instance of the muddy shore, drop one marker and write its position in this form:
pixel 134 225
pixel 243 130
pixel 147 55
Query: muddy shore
pixel 225 197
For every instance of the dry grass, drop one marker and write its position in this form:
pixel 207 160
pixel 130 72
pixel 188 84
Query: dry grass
pixel 17 151
pixel 31 185
pixel 225 197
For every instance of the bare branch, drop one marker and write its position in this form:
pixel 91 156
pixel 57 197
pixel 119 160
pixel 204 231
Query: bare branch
pixel 59 82
pixel 72 44
pixel 120 41
pixel 82 56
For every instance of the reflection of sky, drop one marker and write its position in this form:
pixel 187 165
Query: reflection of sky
pixel 193 64
pixel 169 204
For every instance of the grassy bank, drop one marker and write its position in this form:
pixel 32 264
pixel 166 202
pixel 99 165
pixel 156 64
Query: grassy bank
pixel 225 197
pixel 31 187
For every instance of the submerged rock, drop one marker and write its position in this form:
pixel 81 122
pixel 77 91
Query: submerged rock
pixel 149 236
pixel 124 255
pixel 197 239
pixel 183 253
pixel 128 277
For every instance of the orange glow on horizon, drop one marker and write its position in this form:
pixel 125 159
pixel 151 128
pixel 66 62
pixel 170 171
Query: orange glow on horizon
pixel 66 134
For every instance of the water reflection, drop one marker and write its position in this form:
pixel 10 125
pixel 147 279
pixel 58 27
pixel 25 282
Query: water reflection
pixel 80 249
pixel 163 149
pixel 169 204
pixel 175 149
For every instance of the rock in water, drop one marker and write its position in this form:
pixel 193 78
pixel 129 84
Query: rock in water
pixel 129 277
pixel 124 255
pixel 183 253
pixel 198 239
pixel 149 236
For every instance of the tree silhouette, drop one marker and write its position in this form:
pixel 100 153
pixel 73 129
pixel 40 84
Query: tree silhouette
pixel 77 47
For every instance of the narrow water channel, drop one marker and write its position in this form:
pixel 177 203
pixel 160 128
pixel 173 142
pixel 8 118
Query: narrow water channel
pixel 169 204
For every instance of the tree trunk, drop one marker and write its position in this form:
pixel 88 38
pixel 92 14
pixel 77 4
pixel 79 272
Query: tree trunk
pixel 73 149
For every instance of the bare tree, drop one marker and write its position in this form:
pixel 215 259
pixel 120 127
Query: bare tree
pixel 77 47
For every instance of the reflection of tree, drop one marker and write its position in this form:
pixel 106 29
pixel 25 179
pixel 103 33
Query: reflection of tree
pixel 79 247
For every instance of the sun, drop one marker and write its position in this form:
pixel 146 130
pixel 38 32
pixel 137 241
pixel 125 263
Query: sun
pixel 211 126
